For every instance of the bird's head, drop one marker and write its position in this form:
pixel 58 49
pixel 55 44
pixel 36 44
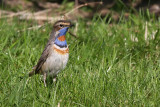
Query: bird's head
pixel 62 26
pixel 60 29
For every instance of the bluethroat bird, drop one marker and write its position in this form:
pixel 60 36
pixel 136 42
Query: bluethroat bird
pixel 56 53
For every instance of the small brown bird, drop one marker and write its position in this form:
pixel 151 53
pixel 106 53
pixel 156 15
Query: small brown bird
pixel 56 53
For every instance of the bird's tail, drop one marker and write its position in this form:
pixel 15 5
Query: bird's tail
pixel 32 72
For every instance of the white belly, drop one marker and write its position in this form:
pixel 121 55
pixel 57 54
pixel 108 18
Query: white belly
pixel 55 62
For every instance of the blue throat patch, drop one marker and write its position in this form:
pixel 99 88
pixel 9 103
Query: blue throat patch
pixel 60 43
pixel 62 33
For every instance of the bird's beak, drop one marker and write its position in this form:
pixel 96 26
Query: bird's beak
pixel 72 25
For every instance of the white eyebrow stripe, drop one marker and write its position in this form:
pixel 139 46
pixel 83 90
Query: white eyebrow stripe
pixel 65 23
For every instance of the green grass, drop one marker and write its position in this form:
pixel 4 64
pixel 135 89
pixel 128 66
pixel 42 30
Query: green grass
pixel 106 67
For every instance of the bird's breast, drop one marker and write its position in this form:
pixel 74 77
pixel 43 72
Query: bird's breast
pixel 57 60
pixel 60 50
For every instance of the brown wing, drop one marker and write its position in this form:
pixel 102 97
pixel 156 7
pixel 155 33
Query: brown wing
pixel 45 53
pixel 37 68
pixel 43 58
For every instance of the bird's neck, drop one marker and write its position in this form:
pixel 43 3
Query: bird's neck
pixel 61 41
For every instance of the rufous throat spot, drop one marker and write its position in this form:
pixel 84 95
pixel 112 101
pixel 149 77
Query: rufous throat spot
pixel 62 38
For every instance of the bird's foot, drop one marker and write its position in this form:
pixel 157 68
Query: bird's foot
pixel 54 80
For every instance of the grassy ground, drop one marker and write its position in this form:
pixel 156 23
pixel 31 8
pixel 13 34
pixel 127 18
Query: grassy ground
pixel 109 65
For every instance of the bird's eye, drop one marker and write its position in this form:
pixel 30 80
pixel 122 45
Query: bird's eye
pixel 61 25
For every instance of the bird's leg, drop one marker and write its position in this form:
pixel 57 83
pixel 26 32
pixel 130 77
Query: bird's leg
pixel 54 79
pixel 44 79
